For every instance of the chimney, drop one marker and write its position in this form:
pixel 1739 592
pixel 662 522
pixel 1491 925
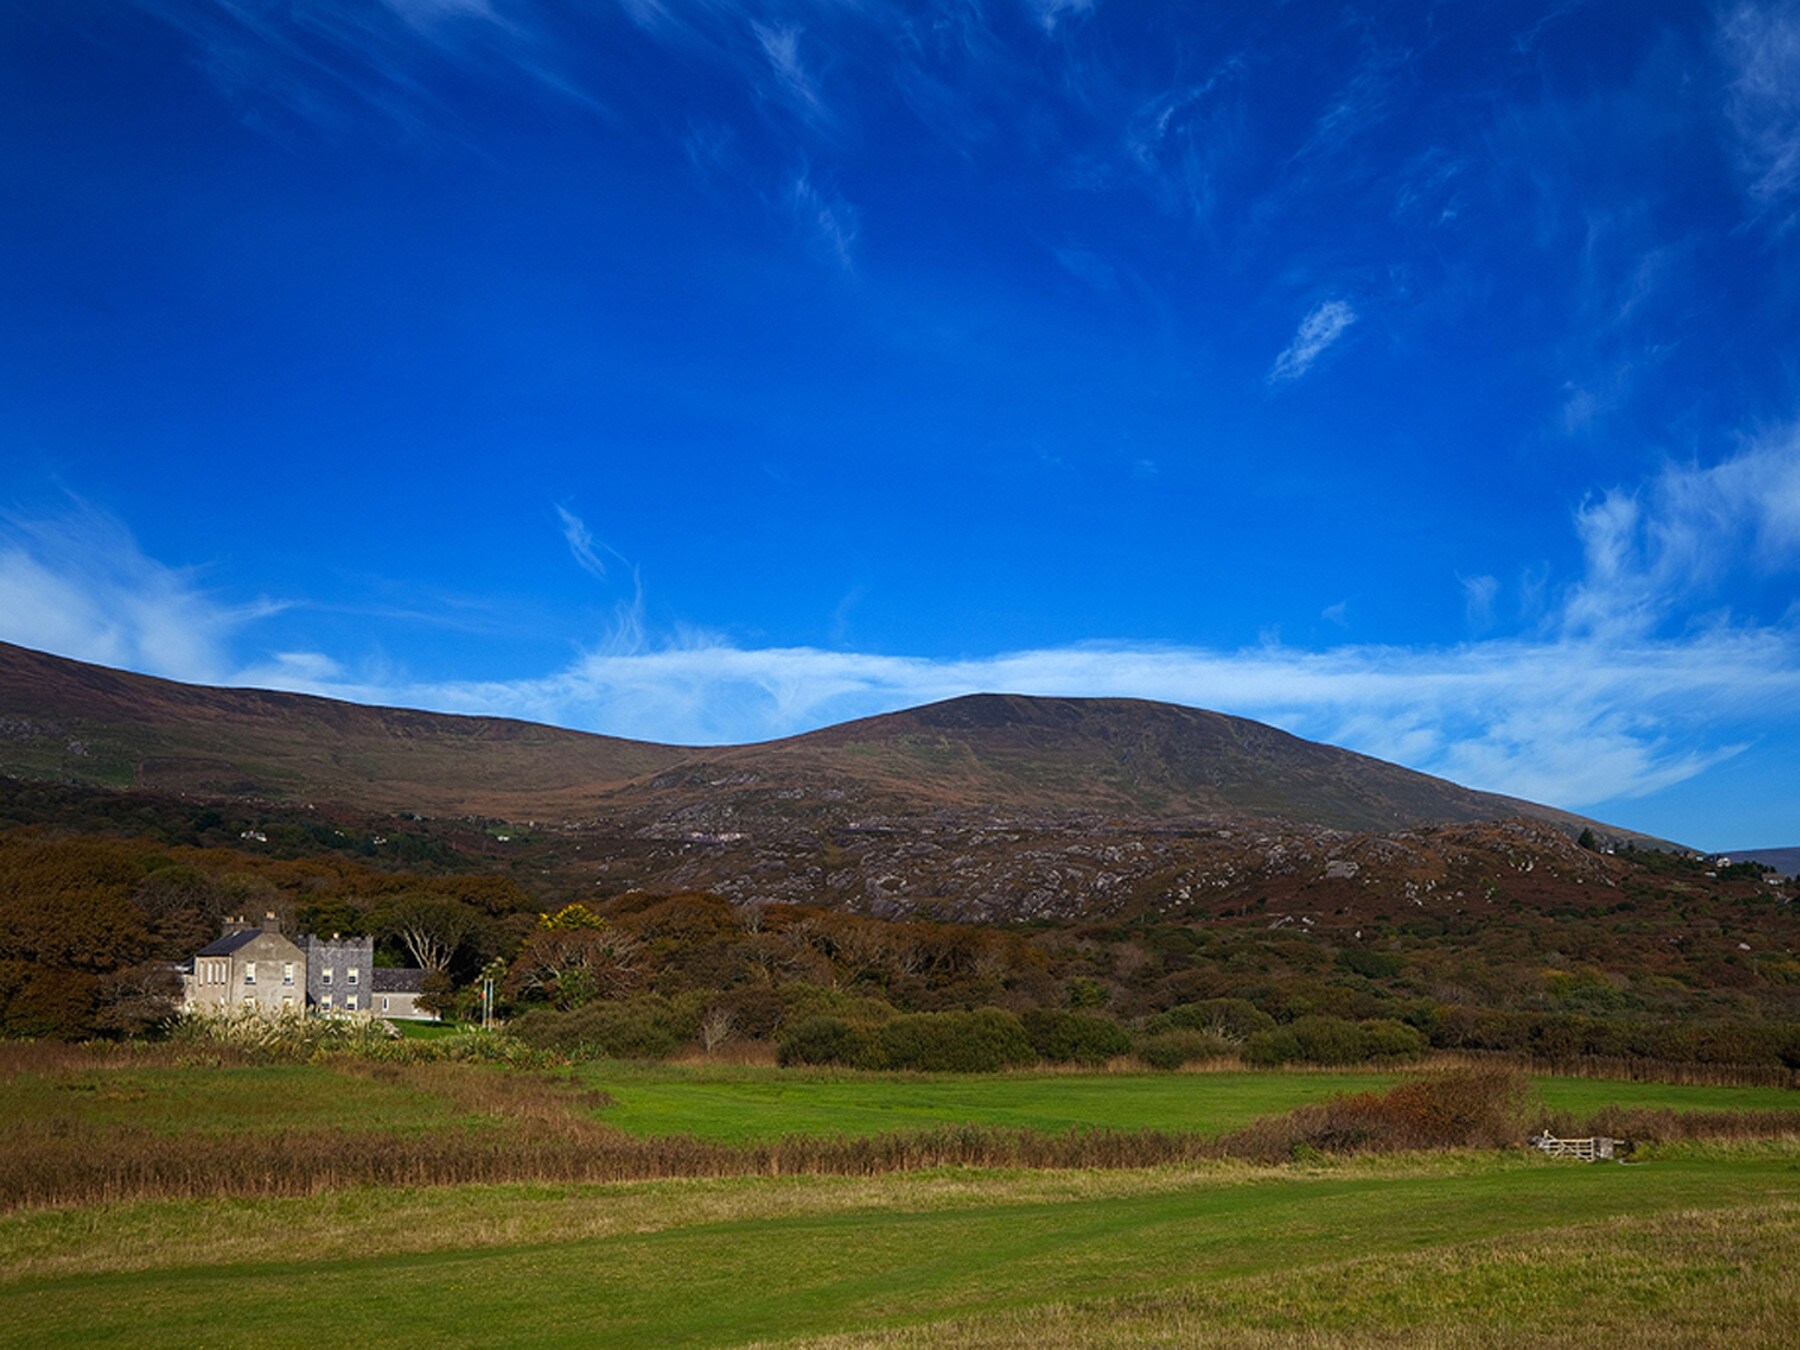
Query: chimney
pixel 271 924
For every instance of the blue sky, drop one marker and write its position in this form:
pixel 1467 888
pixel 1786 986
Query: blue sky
pixel 1423 378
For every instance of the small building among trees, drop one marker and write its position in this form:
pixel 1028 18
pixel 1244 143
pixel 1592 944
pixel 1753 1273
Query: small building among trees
pixel 246 969
pixel 257 968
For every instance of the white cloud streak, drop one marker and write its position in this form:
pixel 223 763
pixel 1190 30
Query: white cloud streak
pixel 827 222
pixel 794 85
pixel 1318 330
pixel 1759 45
pixel 1653 552
pixel 1050 14
pixel 581 543
pixel 78 585
pixel 328 63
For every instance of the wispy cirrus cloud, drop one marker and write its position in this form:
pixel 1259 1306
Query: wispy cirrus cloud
pixel 1655 551
pixel 1324 325
pixel 1759 45
pixel 1051 14
pixel 77 583
pixel 332 64
pixel 582 545
pixel 794 85
pixel 828 224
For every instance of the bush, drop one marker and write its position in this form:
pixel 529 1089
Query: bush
pixel 1234 1019
pixel 982 1041
pixel 1309 1040
pixel 1084 991
pixel 756 1008
pixel 1171 1049
pixel 1370 965
pixel 1387 1039
pixel 828 1040
pixel 804 1001
pixel 1466 1108
pixel 651 1027
pixel 1074 1038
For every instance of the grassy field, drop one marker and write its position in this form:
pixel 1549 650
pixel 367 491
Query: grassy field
pixel 741 1104
pixel 1693 1247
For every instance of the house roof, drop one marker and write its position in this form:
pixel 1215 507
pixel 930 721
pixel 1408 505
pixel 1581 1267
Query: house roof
pixel 230 943
pixel 387 981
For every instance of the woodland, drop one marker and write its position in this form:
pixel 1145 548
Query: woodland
pixel 1687 962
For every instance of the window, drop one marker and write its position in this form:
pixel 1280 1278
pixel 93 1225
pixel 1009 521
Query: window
pixel 350 1003
pixel 350 975
pixel 249 972
pixel 325 1003
pixel 384 1003
pixel 287 1002
pixel 287 972
pixel 325 977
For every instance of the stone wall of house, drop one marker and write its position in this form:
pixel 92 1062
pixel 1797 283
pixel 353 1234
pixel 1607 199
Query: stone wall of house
pixel 339 974
pixel 267 973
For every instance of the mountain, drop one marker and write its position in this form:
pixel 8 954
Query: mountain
pixel 76 722
pixel 987 807
pixel 67 720
pixel 1784 860
pixel 1117 757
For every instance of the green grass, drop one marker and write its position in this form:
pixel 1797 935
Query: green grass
pixel 994 1258
pixel 1694 1246
pixel 740 1104
pixel 735 1104
pixel 430 1031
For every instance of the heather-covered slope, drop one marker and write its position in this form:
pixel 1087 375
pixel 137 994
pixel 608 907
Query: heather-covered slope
pixel 69 720
pixel 1124 760
pixel 1120 757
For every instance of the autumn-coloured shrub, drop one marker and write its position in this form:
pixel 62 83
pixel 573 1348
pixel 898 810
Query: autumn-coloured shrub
pixel 1462 1108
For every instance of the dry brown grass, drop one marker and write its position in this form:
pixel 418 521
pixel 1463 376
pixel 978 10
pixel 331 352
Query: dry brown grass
pixel 17 1057
pixel 1651 1125
pixel 1618 1068
pixel 1485 1107
pixel 65 1163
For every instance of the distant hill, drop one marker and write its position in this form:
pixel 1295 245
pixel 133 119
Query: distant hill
pixel 1784 860
pixel 1118 758
pixel 67 720
pixel 1122 757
